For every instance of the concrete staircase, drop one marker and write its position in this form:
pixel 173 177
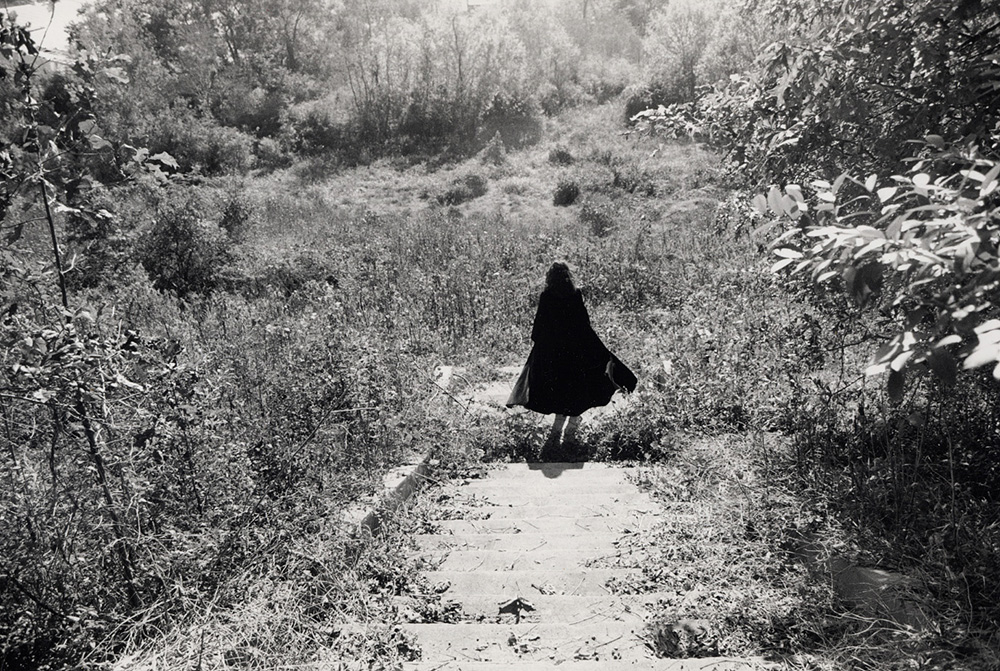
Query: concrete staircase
pixel 544 543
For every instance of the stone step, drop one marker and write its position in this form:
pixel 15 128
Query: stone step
pixel 489 494
pixel 531 642
pixel 510 584
pixel 583 541
pixel 552 525
pixel 699 664
pixel 588 471
pixel 544 558
pixel 607 640
pixel 555 510
pixel 561 609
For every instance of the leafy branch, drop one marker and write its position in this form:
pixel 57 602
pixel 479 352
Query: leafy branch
pixel 925 243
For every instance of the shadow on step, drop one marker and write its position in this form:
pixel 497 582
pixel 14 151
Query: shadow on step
pixel 553 469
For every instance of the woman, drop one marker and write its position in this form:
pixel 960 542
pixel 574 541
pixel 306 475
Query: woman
pixel 569 369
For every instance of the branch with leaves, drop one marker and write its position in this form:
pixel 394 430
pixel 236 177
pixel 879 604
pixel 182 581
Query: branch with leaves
pixel 923 244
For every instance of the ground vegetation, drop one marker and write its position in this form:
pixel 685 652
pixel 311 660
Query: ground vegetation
pixel 216 337
pixel 869 132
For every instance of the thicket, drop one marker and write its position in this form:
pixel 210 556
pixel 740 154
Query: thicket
pixel 689 46
pixel 231 85
pixel 871 132
pixel 156 443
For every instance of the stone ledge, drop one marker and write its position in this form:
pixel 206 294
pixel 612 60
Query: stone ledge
pixel 398 485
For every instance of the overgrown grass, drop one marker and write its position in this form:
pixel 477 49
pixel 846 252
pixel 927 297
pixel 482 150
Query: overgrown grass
pixel 305 371
pixel 367 294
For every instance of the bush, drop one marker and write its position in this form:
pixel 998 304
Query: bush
pixel 238 214
pixel 464 189
pixel 98 243
pixel 185 250
pixel 560 155
pixel 634 180
pixel 270 154
pixel 649 96
pixel 517 120
pixel 598 216
pixel 316 128
pixel 494 153
pixel 431 121
pixel 566 193
pixel 199 145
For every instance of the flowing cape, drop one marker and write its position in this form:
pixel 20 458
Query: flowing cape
pixel 569 370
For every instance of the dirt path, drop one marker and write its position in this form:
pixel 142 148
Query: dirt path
pixel 536 568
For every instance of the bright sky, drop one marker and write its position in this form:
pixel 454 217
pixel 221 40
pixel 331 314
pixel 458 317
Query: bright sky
pixel 60 13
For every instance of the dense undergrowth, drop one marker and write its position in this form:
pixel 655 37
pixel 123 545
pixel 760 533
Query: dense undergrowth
pixel 264 351
pixel 297 366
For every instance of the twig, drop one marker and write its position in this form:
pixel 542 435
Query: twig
pixel 464 407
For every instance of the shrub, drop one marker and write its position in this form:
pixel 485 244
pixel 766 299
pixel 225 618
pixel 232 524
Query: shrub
pixel 464 189
pixel 270 154
pixel 199 145
pixel 494 153
pixel 560 155
pixel 238 214
pixel 185 249
pixel 316 128
pixel 517 120
pixel 634 180
pixel 598 216
pixel 566 193
pixel 98 243
pixel 651 95
pixel 430 121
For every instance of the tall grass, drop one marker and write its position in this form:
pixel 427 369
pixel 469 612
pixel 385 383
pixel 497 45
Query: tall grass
pixel 284 392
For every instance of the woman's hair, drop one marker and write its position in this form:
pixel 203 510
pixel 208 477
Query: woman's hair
pixel 559 278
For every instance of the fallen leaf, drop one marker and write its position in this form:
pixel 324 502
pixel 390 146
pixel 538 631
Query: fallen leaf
pixel 514 607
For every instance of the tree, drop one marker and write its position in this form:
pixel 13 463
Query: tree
pixel 639 12
pixel 905 97
pixel 66 383
pixel 674 44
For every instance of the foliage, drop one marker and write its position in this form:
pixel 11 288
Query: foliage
pixel 184 251
pixel 466 188
pixel 877 125
pixel 858 88
pixel 926 242
pixel 852 87
pixel 566 192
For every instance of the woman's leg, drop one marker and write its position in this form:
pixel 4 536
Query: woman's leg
pixel 572 426
pixel 555 434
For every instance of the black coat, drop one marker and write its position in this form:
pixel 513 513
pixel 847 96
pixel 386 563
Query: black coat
pixel 569 369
